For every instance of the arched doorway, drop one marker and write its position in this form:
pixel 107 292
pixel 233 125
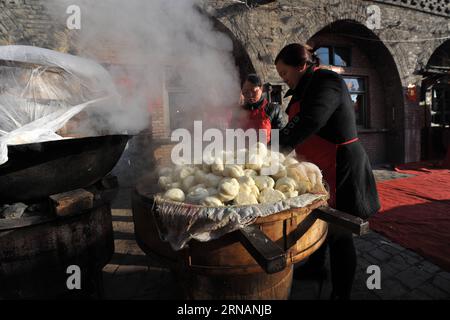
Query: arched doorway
pixel 371 74
pixel 435 95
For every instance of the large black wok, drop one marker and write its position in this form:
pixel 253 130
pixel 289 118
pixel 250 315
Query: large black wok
pixel 37 170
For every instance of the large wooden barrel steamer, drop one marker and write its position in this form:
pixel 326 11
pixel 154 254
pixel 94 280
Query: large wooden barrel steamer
pixel 224 268
pixel 36 253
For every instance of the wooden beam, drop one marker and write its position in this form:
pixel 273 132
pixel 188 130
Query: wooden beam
pixel 72 202
pixel 267 253
pixel 301 229
pixel 347 221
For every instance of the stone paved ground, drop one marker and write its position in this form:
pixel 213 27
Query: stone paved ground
pixel 404 274
pixel 382 175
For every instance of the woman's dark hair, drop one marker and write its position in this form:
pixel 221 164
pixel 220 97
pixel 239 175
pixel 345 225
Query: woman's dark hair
pixel 296 55
pixel 254 79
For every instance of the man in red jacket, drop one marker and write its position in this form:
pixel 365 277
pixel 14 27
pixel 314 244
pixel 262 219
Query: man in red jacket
pixel 257 112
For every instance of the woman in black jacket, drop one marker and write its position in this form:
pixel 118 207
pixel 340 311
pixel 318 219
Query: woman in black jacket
pixel 322 129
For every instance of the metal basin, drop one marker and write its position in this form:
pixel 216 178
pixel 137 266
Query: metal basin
pixel 37 170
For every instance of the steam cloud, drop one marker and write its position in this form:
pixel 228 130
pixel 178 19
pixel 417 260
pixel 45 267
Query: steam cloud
pixel 157 43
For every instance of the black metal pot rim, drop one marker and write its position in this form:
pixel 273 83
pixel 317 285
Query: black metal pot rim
pixel 69 139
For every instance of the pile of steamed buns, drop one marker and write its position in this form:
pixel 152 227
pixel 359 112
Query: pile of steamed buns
pixel 221 184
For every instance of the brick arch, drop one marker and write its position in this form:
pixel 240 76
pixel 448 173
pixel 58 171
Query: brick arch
pixel 316 21
pixel 426 56
pixel 444 45
pixel 387 68
pixel 353 12
pixel 398 53
pixel 251 43
pixel 241 56
pixel 313 21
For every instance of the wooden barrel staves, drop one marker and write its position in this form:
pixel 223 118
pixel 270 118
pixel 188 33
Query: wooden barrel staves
pixel 37 251
pixel 225 268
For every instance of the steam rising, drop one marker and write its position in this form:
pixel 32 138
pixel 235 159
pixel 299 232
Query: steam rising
pixel 158 45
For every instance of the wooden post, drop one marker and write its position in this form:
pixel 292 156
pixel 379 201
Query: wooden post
pixel 347 221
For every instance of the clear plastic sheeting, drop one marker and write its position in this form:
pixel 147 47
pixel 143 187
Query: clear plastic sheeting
pixel 41 90
pixel 178 223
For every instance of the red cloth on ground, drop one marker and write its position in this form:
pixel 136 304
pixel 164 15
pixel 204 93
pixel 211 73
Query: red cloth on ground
pixel 415 212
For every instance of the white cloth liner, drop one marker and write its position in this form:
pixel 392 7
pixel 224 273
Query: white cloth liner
pixel 178 223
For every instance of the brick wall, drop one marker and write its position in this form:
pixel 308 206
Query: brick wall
pixel 260 33
pixel 27 22
pixel 287 21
